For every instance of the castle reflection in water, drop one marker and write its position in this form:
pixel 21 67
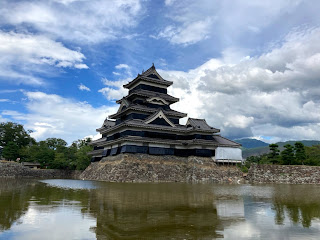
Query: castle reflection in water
pixel 158 211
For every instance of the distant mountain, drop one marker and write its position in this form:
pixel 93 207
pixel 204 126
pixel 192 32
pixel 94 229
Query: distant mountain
pixel 247 152
pixel 251 143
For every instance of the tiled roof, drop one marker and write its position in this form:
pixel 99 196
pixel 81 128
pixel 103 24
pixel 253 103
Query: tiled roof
pixel 224 141
pixel 107 124
pixel 151 75
pixel 140 124
pixel 158 114
pixel 185 143
pixel 146 93
pixel 200 124
pixel 142 108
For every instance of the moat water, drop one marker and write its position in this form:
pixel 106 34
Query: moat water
pixel 74 209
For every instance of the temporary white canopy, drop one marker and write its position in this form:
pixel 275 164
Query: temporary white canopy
pixel 227 154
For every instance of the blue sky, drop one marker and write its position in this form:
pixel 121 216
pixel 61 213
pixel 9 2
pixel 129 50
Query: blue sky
pixel 250 68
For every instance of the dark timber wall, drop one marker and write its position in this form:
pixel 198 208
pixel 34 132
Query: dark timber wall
pixel 155 151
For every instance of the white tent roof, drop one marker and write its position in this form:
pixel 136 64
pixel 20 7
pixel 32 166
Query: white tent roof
pixel 227 153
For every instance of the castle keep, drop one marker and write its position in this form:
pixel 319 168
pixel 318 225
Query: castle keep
pixel 145 123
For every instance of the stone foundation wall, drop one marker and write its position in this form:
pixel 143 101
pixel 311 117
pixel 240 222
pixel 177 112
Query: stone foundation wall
pixel 284 174
pixel 150 168
pixel 15 170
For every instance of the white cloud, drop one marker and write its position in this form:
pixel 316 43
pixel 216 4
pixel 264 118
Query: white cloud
pixel 2 119
pixel 234 23
pixel 77 21
pixel 84 88
pixel 276 94
pixel 22 55
pixel 11 90
pixel 124 70
pixel 188 33
pixel 114 91
pixel 169 2
pixel 122 66
pixel 81 66
pixel 51 115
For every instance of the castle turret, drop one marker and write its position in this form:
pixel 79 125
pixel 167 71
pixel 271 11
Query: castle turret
pixel 145 123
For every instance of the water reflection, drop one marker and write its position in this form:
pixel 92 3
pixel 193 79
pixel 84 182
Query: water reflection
pixel 155 211
pixel 300 203
pixel 30 209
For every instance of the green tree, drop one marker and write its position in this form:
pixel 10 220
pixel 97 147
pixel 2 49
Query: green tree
pixel 39 152
pixel 83 160
pixel 60 162
pixel 300 153
pixel 10 151
pixel 287 155
pixel 56 143
pixel 14 132
pixel 313 155
pixel 82 142
pixel 274 153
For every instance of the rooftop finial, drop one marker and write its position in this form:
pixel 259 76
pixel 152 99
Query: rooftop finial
pixel 153 65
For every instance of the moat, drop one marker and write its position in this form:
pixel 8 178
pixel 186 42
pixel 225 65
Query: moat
pixel 75 209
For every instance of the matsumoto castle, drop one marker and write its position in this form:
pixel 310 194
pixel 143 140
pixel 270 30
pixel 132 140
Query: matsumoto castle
pixel 146 124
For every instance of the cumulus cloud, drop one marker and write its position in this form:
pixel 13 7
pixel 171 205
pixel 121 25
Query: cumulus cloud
pixel 188 33
pixel 274 94
pixel 123 70
pixel 74 20
pixel 233 22
pixel 84 88
pixel 114 89
pixel 51 115
pixel 22 55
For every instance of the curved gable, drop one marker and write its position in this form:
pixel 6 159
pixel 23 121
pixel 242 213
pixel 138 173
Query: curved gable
pixel 159 118
pixel 124 104
pixel 157 100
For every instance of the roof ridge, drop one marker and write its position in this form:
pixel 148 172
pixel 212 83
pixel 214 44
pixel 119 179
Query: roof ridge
pixel 150 69
pixel 227 139
pixel 198 119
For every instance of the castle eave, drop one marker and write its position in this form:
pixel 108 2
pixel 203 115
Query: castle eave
pixel 148 79
pixel 140 108
pixel 140 124
pixel 146 93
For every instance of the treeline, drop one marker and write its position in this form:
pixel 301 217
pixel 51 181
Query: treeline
pixel 296 154
pixel 54 153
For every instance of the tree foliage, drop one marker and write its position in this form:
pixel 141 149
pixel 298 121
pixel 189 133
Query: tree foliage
pixel 313 155
pixel 10 151
pixel 300 153
pixel 14 132
pixel 291 155
pixel 50 153
pixel 287 155
pixel 274 154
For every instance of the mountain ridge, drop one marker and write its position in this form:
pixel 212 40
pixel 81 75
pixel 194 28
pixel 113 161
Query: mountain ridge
pixel 255 151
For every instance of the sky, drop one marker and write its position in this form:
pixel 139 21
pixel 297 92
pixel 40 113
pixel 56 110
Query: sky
pixel 250 68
